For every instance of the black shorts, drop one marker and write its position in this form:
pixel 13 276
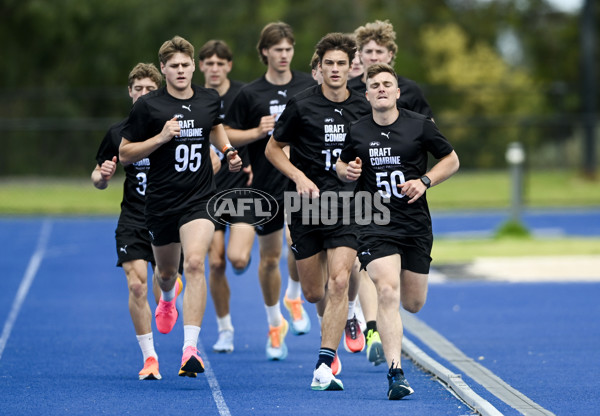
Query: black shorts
pixel 415 252
pixel 274 224
pixel 309 240
pixel 226 219
pixel 164 229
pixel 133 243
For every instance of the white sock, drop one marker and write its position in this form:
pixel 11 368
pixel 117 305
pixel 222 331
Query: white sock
pixel 351 308
pixel 170 295
pixel 274 314
pixel 190 336
pixel 146 342
pixel 224 323
pixel 293 289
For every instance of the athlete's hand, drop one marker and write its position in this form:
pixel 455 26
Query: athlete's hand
pixel 267 123
pixel 248 171
pixel 306 188
pixel 235 162
pixel 354 169
pixel 171 129
pixel 108 169
pixel 413 189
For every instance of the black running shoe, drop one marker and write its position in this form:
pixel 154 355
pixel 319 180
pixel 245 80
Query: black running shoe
pixel 399 387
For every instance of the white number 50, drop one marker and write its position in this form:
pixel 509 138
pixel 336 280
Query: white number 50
pixel 390 186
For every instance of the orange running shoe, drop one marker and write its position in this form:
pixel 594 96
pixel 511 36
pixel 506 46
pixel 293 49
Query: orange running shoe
pixel 354 339
pixel 300 319
pixel 336 365
pixel 150 370
pixel 191 363
pixel 276 348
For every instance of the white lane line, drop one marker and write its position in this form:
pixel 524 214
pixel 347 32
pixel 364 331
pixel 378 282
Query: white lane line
pixel 214 384
pixel 452 380
pixel 26 281
pixel 476 371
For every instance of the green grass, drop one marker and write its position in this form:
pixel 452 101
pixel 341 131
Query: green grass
pixel 465 191
pixel 448 251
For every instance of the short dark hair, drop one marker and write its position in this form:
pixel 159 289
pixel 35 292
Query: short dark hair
pixel 336 41
pixel 215 47
pixel 376 69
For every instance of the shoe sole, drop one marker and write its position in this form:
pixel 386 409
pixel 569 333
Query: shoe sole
pixel 332 386
pixel 399 392
pixel 150 377
pixel 191 368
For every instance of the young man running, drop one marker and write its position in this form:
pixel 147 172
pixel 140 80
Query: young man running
pixel 314 126
pixel 386 152
pixel 250 121
pixel 174 127
pixel 134 251
pixel 215 60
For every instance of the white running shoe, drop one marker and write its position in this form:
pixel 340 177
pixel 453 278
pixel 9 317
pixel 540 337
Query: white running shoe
pixel 225 341
pixel 323 379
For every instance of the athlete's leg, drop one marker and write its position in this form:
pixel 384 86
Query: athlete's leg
pixel 136 272
pixel 196 237
pixel 385 273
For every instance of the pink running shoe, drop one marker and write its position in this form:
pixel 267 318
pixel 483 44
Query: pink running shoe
pixel 191 363
pixel 166 312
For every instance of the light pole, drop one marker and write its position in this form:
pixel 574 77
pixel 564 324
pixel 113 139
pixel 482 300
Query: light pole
pixel 515 156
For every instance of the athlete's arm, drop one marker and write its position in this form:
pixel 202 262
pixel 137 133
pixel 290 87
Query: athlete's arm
pixel 130 152
pixel 276 155
pixel 442 170
pixel 243 137
pixel 102 174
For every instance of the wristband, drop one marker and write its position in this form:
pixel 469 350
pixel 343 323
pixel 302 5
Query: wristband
pixel 228 148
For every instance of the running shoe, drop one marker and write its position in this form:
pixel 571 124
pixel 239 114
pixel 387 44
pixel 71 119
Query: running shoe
pixel 336 365
pixel 191 363
pixel 300 319
pixel 150 370
pixel 354 339
pixel 166 312
pixel 398 386
pixel 323 379
pixel 276 348
pixel 225 341
pixel 374 348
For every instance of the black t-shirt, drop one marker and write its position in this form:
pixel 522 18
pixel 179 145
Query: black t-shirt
pixel 255 100
pixel 224 178
pixel 411 96
pixel 181 170
pixel 316 130
pixel 390 156
pixel 134 186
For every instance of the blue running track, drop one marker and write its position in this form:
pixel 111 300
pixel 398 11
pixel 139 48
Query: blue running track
pixel 68 345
